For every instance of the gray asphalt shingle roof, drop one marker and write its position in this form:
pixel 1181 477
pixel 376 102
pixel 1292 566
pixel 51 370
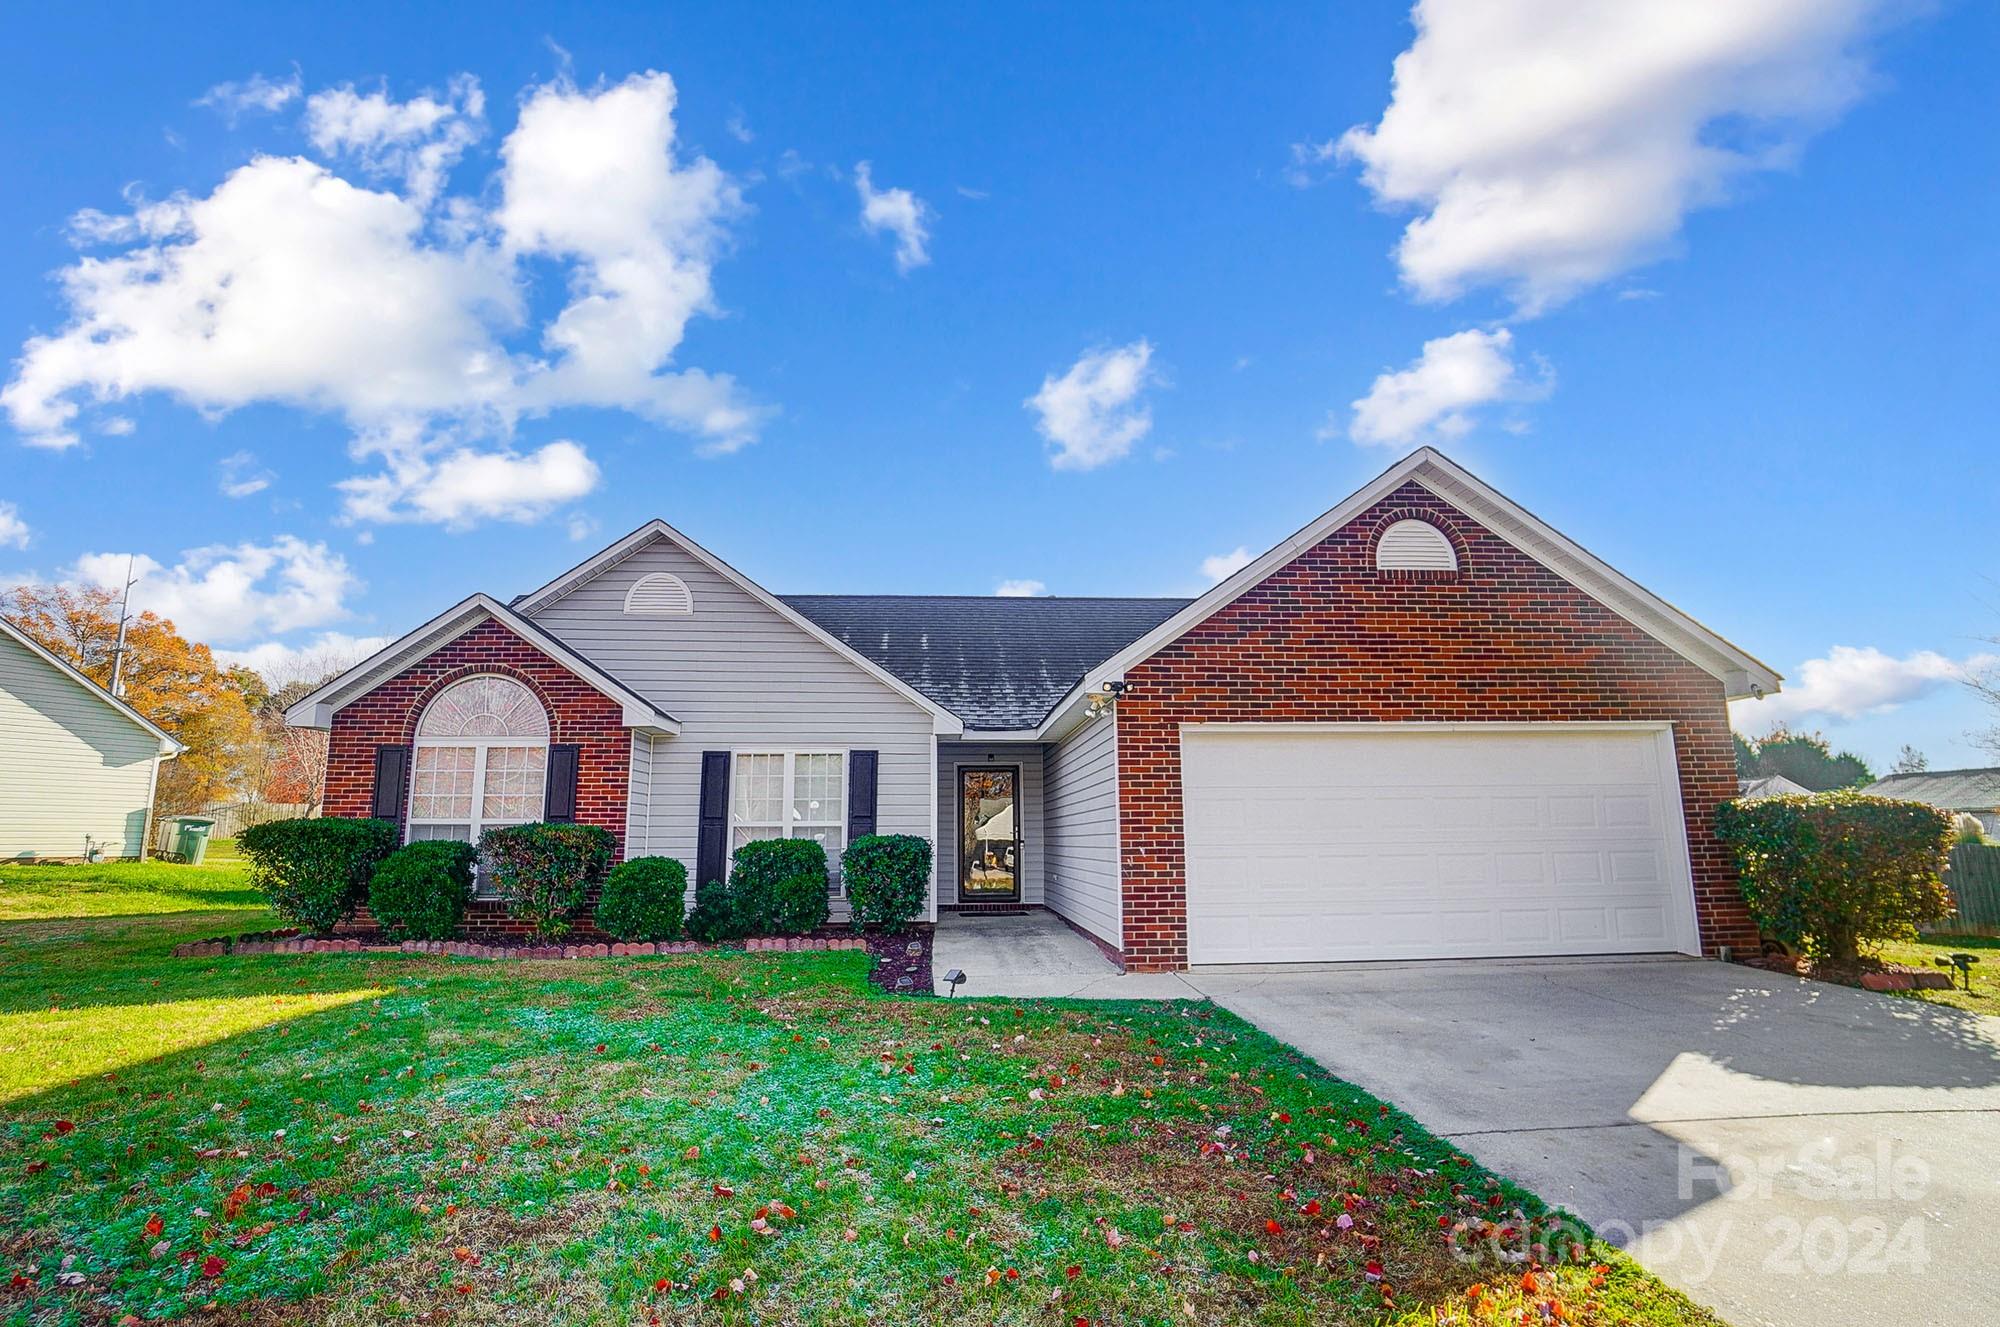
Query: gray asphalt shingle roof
pixel 1946 789
pixel 995 662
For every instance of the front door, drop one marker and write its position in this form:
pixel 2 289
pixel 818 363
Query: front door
pixel 989 835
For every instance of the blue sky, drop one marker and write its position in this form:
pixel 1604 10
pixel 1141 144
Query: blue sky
pixel 1714 296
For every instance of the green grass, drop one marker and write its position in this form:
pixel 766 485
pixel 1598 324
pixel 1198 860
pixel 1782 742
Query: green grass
pixel 361 1139
pixel 1983 998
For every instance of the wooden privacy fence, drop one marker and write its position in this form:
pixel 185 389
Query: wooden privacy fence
pixel 229 820
pixel 1974 879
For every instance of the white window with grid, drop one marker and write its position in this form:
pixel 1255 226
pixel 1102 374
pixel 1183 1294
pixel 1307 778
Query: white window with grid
pixel 790 795
pixel 480 760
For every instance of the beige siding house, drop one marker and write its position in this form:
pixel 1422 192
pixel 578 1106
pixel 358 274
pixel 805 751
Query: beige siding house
pixel 77 767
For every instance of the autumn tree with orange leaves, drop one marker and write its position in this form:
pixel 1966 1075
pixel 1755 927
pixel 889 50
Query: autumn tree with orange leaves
pixel 172 681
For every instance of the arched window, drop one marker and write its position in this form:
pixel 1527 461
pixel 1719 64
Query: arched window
pixel 659 594
pixel 481 756
pixel 1413 545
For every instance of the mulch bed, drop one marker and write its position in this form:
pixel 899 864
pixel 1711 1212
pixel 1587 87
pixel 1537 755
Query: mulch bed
pixel 902 962
pixel 1870 974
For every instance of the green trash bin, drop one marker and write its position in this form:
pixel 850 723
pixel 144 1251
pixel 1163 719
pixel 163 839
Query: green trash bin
pixel 191 839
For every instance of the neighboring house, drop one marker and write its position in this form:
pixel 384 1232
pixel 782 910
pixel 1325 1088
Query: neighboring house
pixel 1771 785
pixel 1976 792
pixel 1426 725
pixel 77 765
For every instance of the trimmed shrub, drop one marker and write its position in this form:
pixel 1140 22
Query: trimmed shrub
pixel 778 887
pixel 542 871
pixel 888 879
pixel 1828 872
pixel 713 921
pixel 418 892
pixel 644 899
pixel 314 871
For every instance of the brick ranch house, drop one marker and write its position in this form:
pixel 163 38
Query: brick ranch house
pixel 1426 725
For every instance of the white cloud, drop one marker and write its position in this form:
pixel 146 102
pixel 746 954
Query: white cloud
pixel 226 593
pixel 403 312
pixel 242 476
pixel 1550 145
pixel 1309 162
pixel 1433 398
pixel 899 212
pixel 739 128
pixel 580 527
pixel 458 489
pixel 1092 414
pixel 14 532
pixel 1224 565
pixel 256 93
pixel 416 141
pixel 279 663
pixel 1022 589
pixel 1854 681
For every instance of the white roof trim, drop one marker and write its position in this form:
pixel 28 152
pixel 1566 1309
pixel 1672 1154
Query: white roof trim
pixel 944 722
pixel 1740 673
pixel 169 745
pixel 317 710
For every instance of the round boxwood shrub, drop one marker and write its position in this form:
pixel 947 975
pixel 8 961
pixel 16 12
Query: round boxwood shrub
pixel 314 871
pixel 1825 873
pixel 779 887
pixel 543 871
pixel 644 899
pixel 714 920
pixel 888 879
pixel 418 892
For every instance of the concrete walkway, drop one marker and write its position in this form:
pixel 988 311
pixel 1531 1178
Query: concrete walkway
pixel 1785 1151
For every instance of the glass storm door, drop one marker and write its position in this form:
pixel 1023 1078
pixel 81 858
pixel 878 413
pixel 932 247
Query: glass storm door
pixel 989 839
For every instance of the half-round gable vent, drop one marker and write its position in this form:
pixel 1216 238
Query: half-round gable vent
pixel 659 594
pixel 1414 545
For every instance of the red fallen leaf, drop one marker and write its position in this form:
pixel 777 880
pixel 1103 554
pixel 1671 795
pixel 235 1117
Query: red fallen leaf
pixel 786 1212
pixel 662 1283
pixel 465 1255
pixel 1073 1271
pixel 154 1226
pixel 37 1167
pixel 1082 1322
pixel 715 1234
pixel 465 1288
pixel 1273 1228
pixel 266 1189
pixel 1013 1274
pixel 724 1191
pixel 1284 1117
pixel 20 1283
pixel 64 1126
pixel 1373 1271
pixel 233 1204
pixel 212 1265
pixel 1311 1208
pixel 598 1048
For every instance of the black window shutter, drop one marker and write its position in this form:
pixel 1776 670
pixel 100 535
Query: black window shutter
pixel 559 803
pixel 861 793
pixel 712 833
pixel 392 768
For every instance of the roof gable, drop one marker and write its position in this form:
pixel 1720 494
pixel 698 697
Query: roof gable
pixel 1740 673
pixel 945 720
pixel 317 710
pixel 169 745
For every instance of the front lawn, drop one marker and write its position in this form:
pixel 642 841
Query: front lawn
pixel 767 1139
pixel 1983 998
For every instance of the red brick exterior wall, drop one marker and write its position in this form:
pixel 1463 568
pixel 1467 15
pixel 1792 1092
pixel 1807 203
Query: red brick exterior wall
pixel 388 716
pixel 1330 639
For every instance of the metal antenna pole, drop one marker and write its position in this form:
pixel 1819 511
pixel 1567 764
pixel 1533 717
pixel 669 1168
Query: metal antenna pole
pixel 118 650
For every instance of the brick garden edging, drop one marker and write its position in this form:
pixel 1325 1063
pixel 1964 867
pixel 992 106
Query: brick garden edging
pixel 471 949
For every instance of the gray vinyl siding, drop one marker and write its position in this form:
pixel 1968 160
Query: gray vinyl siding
pixel 71 766
pixel 738 677
pixel 1081 878
pixel 953 755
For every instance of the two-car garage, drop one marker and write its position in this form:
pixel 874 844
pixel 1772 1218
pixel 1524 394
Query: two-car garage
pixel 1330 842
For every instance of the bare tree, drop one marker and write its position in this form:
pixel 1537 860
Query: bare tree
pixel 297 757
pixel 1910 761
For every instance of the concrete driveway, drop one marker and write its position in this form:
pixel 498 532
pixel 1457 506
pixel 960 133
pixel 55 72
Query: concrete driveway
pixel 1785 1151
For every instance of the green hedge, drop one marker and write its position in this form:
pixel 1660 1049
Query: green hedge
pixel 776 887
pixel 1828 872
pixel 543 871
pixel 888 879
pixel 314 871
pixel 418 892
pixel 644 899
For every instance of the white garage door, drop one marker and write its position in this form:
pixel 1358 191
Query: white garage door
pixel 1405 841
